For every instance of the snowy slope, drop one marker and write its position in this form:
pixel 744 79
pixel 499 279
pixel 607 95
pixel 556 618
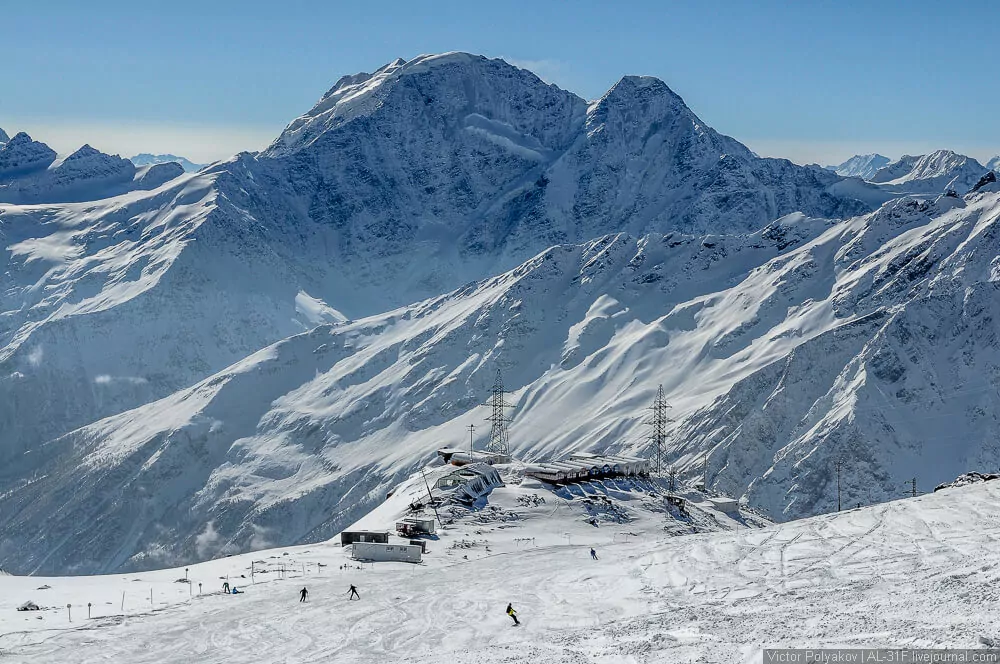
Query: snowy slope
pixel 398 186
pixel 147 159
pixel 862 166
pixel 870 340
pixel 933 173
pixel 918 573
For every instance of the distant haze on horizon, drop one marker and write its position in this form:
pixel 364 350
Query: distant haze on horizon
pixel 814 84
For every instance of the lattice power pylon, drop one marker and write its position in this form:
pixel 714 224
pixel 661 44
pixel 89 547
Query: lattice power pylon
pixel 658 433
pixel 499 443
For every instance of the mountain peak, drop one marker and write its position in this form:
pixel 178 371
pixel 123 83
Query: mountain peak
pixel 934 172
pixel 447 87
pixel 3 137
pixel 148 159
pixel 21 154
pixel 86 150
pixel 630 86
pixel 862 166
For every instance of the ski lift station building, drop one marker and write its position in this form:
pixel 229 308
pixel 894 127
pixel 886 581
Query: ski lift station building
pixel 467 483
pixel 582 466
pixel 379 552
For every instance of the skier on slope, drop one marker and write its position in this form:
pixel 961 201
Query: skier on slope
pixel 225 587
pixel 353 593
pixel 302 595
pixel 593 554
pixel 513 614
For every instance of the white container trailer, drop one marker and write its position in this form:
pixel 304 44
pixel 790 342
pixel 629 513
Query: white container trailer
pixel 378 552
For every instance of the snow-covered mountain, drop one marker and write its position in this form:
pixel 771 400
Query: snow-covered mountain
pixel 994 164
pixel 932 173
pixel 3 137
pixel 862 166
pixel 868 340
pixel 147 159
pixel 30 173
pixel 398 186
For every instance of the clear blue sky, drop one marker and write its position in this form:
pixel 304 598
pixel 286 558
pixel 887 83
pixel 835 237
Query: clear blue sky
pixel 813 81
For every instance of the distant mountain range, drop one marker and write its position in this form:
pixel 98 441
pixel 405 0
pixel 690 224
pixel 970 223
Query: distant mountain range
pixel 146 159
pixel 31 172
pixel 861 166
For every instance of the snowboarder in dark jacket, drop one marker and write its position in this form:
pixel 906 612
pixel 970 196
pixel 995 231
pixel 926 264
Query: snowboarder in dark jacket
pixel 513 614
pixel 354 593
pixel 593 554
pixel 302 595
pixel 225 587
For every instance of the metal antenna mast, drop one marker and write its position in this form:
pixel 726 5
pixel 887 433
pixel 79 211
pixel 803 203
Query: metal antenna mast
pixel 658 432
pixel 472 433
pixel 499 443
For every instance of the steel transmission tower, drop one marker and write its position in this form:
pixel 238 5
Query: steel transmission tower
pixel 658 433
pixel 499 443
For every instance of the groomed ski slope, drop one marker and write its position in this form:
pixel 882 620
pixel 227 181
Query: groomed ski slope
pixel 919 572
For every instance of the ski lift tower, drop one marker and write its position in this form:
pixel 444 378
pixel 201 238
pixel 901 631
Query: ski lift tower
pixel 499 443
pixel 658 434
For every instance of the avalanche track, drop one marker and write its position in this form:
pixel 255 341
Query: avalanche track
pixel 919 572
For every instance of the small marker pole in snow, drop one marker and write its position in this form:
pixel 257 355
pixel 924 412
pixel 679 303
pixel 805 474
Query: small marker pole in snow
pixel 123 601
pixel 150 598
pixel 185 573
pixel 199 588
pixel 88 610
pixel 252 579
pixel 303 569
